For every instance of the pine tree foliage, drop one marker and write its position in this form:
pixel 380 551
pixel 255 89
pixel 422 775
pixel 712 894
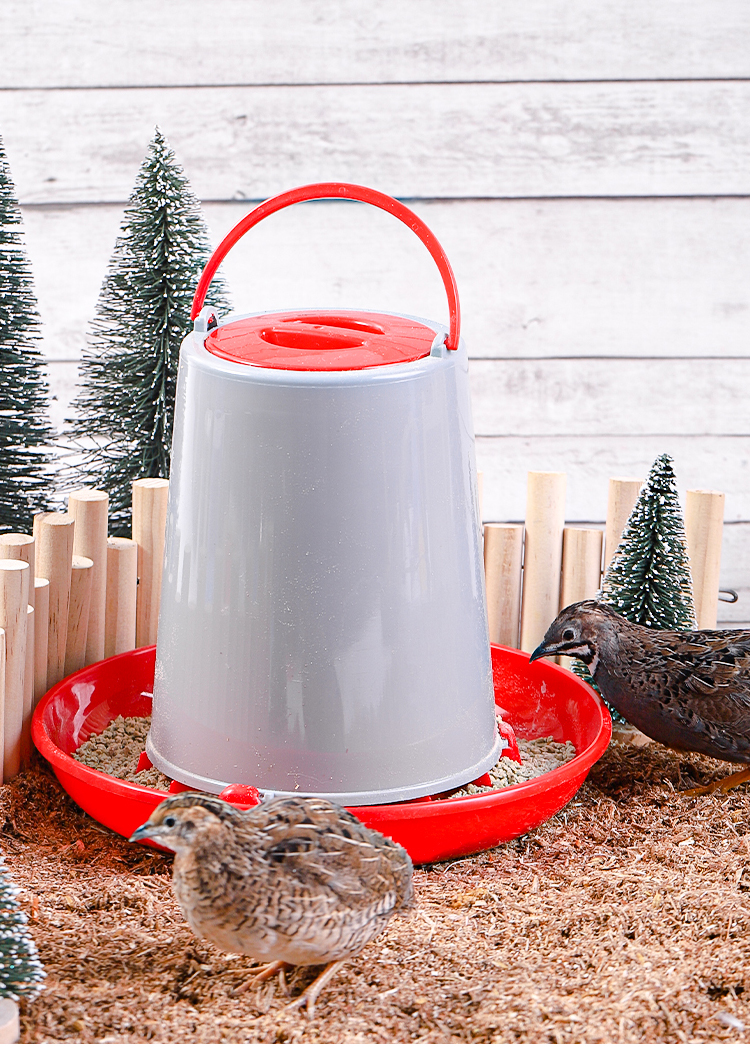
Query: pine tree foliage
pixel 648 580
pixel 21 971
pixel 124 410
pixel 25 429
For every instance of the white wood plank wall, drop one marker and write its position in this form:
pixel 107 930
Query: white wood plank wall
pixel 585 163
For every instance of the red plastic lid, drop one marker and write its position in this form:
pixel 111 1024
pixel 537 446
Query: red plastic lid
pixel 321 341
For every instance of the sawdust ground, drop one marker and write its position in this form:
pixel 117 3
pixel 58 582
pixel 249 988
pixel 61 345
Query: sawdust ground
pixel 624 918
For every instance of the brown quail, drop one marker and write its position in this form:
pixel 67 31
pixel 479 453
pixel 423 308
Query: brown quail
pixel 293 881
pixel 686 689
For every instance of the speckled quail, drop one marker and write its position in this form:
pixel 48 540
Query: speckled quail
pixel 292 881
pixel 686 689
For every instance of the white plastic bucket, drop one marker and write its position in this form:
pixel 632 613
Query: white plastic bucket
pixel 323 626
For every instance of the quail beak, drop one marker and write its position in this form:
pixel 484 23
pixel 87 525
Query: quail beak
pixel 141 833
pixel 546 650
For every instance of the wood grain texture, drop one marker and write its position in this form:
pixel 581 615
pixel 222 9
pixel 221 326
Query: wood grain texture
pixel 591 460
pixel 622 493
pixel 632 397
pixel 122 592
pixel 14 592
pixel 503 559
pixel 81 580
pixel 648 139
pixel 704 527
pixel 53 534
pixel 89 508
pixel 28 685
pixel 581 564
pixel 150 497
pixel 41 630
pixel 124 42
pixel 542 554
pixel 536 279
pixel 555 149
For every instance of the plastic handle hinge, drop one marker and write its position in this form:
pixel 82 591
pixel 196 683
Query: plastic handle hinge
pixel 439 347
pixel 205 321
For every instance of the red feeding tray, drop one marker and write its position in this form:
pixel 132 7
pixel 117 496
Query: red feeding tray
pixel 537 700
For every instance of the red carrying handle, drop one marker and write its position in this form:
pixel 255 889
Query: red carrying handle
pixel 351 192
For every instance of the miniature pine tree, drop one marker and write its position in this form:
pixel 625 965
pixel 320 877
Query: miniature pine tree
pixel 25 429
pixel 21 971
pixel 649 580
pixel 125 405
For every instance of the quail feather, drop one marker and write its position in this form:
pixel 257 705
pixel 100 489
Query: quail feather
pixel 293 881
pixel 688 689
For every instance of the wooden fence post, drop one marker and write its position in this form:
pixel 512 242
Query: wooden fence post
pixel 149 525
pixel 41 634
pixel 81 581
pixel 503 557
pixel 89 508
pixel 581 564
pixel 704 524
pixel 28 687
pixel 14 593
pixel 53 533
pixel 122 582
pixel 623 493
pixel 542 558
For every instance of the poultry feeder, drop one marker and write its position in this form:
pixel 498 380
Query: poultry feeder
pixel 323 627
pixel 537 700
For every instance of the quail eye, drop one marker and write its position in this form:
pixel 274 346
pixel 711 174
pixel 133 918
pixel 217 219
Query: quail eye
pixel 568 634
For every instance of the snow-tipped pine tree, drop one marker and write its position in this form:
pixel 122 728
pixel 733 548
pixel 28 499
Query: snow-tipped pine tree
pixel 25 429
pixel 648 580
pixel 122 429
pixel 21 971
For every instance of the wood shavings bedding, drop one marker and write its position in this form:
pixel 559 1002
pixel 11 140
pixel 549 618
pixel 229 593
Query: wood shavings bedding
pixel 624 918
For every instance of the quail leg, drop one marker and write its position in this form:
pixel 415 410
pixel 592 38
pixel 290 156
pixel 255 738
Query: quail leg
pixel 265 972
pixel 310 995
pixel 722 785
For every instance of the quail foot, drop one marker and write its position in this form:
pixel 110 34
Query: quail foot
pixel 686 689
pixel 292 881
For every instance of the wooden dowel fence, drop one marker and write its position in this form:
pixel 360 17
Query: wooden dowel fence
pixel 545 520
pixel 28 686
pixel 41 632
pixel 69 595
pixel 621 498
pixel 2 704
pixel 122 581
pixel 89 508
pixel 14 593
pixel 564 564
pixel 53 532
pixel 81 581
pixel 503 558
pixel 704 522
pixel 19 546
pixel 149 525
pixel 581 564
